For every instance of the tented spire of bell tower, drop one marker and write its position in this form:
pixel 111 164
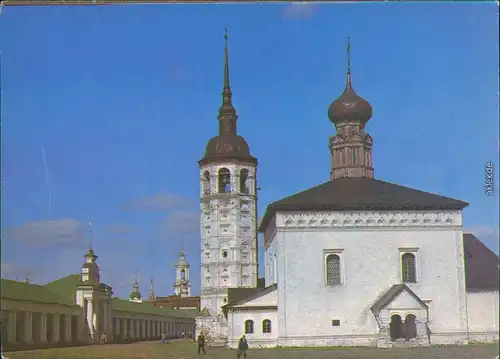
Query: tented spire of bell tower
pixel 151 296
pixel 227 145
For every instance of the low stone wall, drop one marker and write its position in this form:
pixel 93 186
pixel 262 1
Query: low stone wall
pixel 214 329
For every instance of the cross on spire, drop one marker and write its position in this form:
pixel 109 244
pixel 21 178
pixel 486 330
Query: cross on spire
pixel 348 55
pixel 226 65
pixel 136 280
pixel 227 113
pixel 90 229
pixel 348 81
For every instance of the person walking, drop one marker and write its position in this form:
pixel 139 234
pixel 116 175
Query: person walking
pixel 242 348
pixel 163 337
pixel 201 344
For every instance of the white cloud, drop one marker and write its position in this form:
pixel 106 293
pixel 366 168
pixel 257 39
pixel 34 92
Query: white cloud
pixel 119 229
pixel 47 233
pixel 298 11
pixel 16 272
pixel 182 223
pixel 481 230
pixel 158 202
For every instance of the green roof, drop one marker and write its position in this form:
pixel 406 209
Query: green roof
pixel 31 292
pixel 63 291
pixel 150 308
pixel 65 287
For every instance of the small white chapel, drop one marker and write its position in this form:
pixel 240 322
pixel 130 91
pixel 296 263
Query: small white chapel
pixel 354 261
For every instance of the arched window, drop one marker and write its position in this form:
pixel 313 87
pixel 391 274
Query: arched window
pixel 224 254
pixel 409 268
pixel 244 252
pixel 206 182
pixel 333 276
pixel 224 178
pixel 249 326
pixel 183 274
pixel 243 181
pixel 266 326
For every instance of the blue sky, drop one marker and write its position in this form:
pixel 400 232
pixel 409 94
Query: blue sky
pixel 123 99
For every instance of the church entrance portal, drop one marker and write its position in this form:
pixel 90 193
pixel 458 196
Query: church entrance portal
pixel 396 327
pixel 403 330
pixel 410 327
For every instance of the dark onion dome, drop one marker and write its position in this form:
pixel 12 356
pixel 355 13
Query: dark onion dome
pixel 349 107
pixel 229 146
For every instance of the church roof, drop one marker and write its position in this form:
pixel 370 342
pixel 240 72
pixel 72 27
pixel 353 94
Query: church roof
pixel 254 294
pixel 237 294
pixel 392 293
pixel 359 194
pixel 149 308
pixel 176 301
pixel 481 265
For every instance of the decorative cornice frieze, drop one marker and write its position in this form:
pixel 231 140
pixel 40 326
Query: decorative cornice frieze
pixel 256 308
pixel 368 219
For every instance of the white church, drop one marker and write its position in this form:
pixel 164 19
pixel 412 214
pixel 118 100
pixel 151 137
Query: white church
pixel 354 261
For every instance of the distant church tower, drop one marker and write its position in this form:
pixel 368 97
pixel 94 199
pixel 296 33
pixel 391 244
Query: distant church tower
pixel 228 208
pixel 90 269
pixel 351 147
pixel 135 295
pixel 182 286
pixel 151 296
pixel 94 297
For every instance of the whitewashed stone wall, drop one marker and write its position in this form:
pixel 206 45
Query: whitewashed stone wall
pixel 483 316
pixel 214 328
pixel 271 263
pixel 257 339
pixel 228 235
pixel 370 245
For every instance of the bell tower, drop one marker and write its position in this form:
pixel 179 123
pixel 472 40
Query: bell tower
pixel 228 208
pixel 182 286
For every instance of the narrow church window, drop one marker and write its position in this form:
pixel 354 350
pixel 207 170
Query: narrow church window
pixel 206 182
pixel 266 326
pixel 183 274
pixel 333 275
pixel 249 326
pixel 243 181
pixel 224 254
pixel 224 180
pixel 408 268
pixel 353 156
